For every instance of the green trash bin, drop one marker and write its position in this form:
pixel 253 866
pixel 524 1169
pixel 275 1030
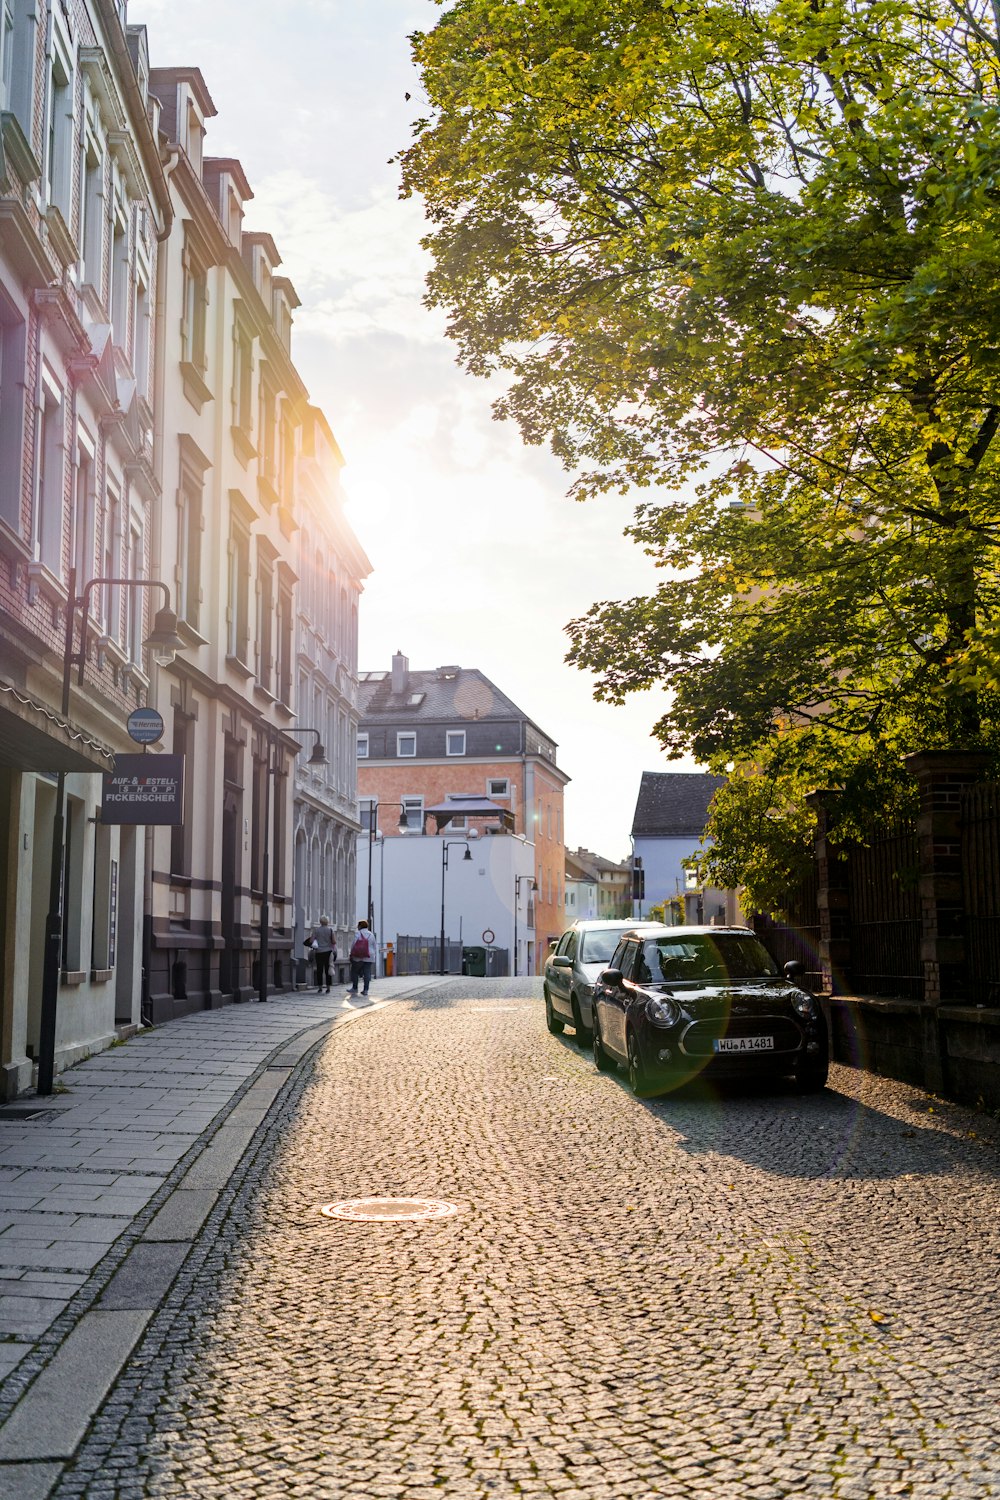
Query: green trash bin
pixel 474 962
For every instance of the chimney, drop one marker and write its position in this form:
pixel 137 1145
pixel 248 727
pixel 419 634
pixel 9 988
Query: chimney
pixel 400 674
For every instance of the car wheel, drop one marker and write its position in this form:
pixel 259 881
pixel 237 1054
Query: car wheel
pixel 810 1075
pixel 582 1034
pixel 552 1021
pixel 637 1079
pixel 602 1061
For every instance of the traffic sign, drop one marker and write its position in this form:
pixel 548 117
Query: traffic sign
pixel 489 936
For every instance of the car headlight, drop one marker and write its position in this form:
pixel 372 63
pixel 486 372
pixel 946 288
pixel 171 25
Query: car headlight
pixel 805 1005
pixel 662 1011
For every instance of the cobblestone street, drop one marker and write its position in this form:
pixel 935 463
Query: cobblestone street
pixel 747 1295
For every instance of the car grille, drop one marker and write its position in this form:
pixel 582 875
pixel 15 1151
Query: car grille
pixel 698 1039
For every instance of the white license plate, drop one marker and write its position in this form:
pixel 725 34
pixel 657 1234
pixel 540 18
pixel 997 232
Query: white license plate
pixel 743 1044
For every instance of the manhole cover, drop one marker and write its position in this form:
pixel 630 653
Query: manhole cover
pixel 389 1210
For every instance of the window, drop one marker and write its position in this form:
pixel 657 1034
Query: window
pixel 498 787
pixel 190 522
pixel 406 745
pixel 6 51
pixel 59 152
pixel 268 440
pixel 140 338
pixel 265 620
pixel 287 457
pixel 20 47
pixel 242 394
pixel 237 609
pixel 413 810
pixel 286 626
pixel 119 276
pixel 49 521
pixel 455 742
pixel 84 514
pixel 194 324
pixel 105 881
pixel 92 209
pixel 134 597
pixel 362 747
pixel 459 823
pixel 110 557
pixel 12 376
pixel 180 838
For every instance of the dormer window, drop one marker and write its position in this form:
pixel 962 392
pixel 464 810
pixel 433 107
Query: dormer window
pixel 406 745
pixel 195 137
pixel 234 217
pixel 455 742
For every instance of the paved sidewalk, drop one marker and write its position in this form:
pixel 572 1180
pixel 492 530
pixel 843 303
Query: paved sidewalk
pixel 136 1147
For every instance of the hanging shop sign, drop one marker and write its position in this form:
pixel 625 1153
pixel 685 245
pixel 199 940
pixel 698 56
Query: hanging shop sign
pixel 144 789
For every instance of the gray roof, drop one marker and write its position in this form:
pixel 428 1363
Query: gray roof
pixel 445 693
pixel 673 804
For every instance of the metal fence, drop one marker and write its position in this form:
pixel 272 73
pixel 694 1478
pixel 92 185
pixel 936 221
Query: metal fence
pixel 796 933
pixel 981 886
pixel 884 906
pixel 422 955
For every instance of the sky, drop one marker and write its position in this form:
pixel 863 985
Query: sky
pixel 478 558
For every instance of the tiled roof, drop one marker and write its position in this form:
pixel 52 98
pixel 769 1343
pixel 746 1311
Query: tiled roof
pixel 673 804
pixel 446 693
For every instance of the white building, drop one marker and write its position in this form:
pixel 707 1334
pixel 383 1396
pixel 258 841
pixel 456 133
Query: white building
pixel 488 892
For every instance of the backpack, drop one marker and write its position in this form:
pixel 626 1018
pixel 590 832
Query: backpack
pixel 359 948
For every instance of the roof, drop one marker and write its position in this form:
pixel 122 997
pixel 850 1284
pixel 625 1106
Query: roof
pixel 594 866
pixel 673 804
pixel 446 694
pixel 467 805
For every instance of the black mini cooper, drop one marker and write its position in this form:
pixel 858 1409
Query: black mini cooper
pixel 677 1002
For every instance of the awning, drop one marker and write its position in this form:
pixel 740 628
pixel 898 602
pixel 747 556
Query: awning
pixel 33 738
pixel 471 806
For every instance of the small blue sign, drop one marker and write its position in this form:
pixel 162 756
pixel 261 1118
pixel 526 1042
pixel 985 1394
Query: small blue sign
pixel 145 726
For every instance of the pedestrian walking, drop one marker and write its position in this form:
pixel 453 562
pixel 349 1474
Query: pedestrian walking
pixel 362 958
pixel 324 950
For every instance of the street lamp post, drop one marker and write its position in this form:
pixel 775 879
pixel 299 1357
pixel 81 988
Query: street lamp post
pixel 317 757
pixel 447 844
pixel 164 641
pixel 373 808
pixel 518 879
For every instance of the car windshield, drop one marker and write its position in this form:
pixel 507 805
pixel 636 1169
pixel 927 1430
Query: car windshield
pixel 597 947
pixel 703 959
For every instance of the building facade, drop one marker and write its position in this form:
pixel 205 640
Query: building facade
pixel 667 829
pixel 249 480
pixel 427 735
pixel 597 887
pixel 332 568
pixel 84 208
pixel 157 448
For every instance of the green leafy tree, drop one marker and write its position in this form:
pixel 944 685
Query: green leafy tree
pixel 748 253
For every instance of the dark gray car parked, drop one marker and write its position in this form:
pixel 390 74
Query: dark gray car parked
pixel 676 1002
pixel 572 967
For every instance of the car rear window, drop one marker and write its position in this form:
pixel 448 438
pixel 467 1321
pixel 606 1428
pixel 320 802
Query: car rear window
pixel 702 958
pixel 597 947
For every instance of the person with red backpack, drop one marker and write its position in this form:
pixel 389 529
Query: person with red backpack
pixel 362 958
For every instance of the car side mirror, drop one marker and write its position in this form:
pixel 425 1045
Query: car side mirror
pixel 560 961
pixel 612 978
pixel 794 969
